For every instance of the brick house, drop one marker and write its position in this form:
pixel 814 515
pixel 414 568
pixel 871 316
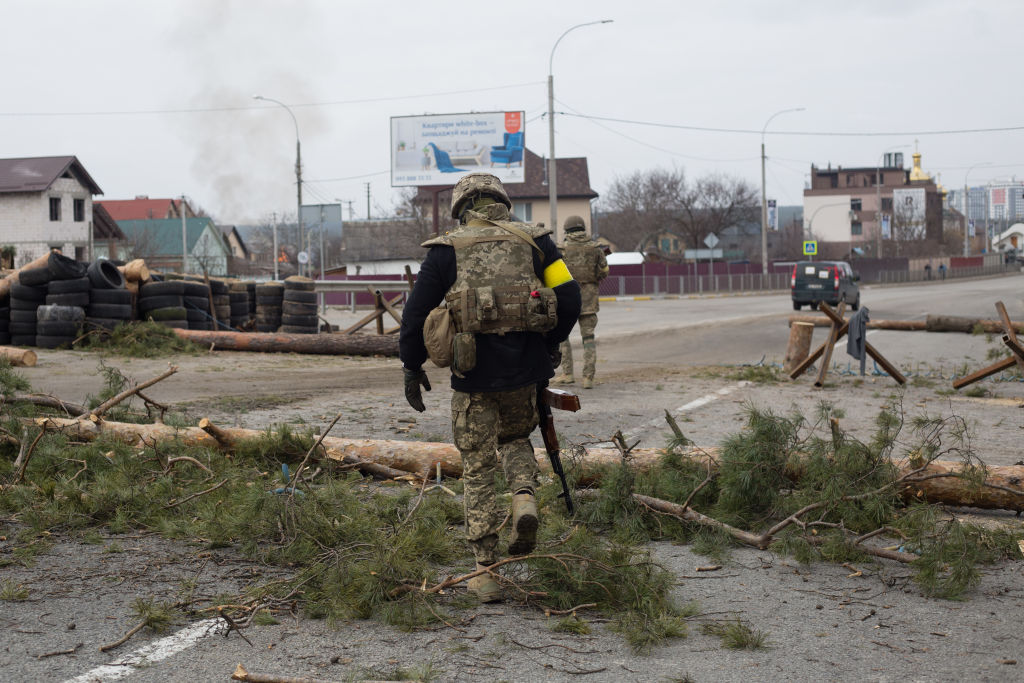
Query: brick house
pixel 46 203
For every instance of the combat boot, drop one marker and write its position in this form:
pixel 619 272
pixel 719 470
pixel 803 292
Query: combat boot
pixel 588 383
pixel 563 379
pixel 485 587
pixel 524 524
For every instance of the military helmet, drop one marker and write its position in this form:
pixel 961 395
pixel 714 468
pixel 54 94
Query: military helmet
pixel 473 184
pixel 574 223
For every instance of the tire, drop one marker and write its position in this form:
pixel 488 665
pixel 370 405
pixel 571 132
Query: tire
pixel 196 289
pixel 238 297
pixel 5 327
pixel 23 340
pixel 856 303
pixel 33 277
pixel 303 285
pixel 223 312
pixel 5 338
pixel 300 320
pixel 797 306
pixel 266 328
pixel 22 305
pixel 76 299
pixel 45 341
pixel 292 308
pixel 113 311
pixel 176 324
pixel 300 296
pixel 73 286
pixel 122 297
pixel 198 303
pixel 221 300
pixel 149 303
pixel 18 328
pixel 291 329
pixel 269 311
pixel 20 316
pixel 28 292
pixel 218 287
pixel 166 288
pixel 58 328
pixel 204 325
pixel 270 290
pixel 103 323
pixel 5 312
pixel 58 313
pixel 64 268
pixel 194 315
pixel 169 313
pixel 105 275
pixel 268 300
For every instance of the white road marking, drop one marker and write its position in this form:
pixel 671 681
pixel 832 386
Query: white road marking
pixel 154 652
pixel 692 405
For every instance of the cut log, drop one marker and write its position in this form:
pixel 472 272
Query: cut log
pixel 12 277
pixel 906 325
pixel 25 358
pixel 799 346
pixel 135 271
pixel 271 342
pixel 933 323
pixel 1003 488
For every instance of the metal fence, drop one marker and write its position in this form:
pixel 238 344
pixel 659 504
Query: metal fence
pixel 659 285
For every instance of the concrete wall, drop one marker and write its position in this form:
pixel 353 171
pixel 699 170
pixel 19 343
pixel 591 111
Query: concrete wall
pixel 25 217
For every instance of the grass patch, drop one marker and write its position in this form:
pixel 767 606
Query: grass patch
pixel 571 624
pixel 759 374
pixel 737 635
pixel 11 591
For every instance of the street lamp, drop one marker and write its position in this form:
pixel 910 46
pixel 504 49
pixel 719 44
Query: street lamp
pixel 298 167
pixel 552 166
pixel 764 200
pixel 878 197
pixel 967 195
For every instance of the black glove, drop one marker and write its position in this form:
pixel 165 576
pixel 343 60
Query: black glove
pixel 555 354
pixel 413 380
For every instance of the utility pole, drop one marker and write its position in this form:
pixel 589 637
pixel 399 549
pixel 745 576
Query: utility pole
pixel 275 246
pixel 367 200
pixel 351 211
pixel 184 238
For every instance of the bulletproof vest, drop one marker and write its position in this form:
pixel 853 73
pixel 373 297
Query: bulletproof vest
pixel 580 256
pixel 496 289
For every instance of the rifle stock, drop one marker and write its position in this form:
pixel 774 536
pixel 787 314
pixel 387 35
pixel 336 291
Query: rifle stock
pixel 546 399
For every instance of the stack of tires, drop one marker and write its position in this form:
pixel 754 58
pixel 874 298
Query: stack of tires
pixel 164 303
pixel 221 304
pixel 27 294
pixel 238 294
pixel 5 320
pixel 269 297
pixel 197 305
pixel 110 303
pixel 298 310
pixel 58 325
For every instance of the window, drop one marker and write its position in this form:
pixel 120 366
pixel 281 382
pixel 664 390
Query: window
pixel 856 228
pixel 79 207
pixel 887 204
pixel 523 211
pixel 79 253
pixel 855 204
pixel 54 208
pixel 849 179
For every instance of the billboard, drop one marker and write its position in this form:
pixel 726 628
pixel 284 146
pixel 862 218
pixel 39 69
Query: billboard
pixel 439 149
pixel 908 206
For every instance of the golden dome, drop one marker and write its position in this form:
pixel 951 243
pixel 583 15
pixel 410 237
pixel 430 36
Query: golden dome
pixel 916 173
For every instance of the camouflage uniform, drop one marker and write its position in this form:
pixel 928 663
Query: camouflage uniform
pixel 585 260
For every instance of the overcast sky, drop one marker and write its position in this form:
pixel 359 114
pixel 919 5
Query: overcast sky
pixel 123 85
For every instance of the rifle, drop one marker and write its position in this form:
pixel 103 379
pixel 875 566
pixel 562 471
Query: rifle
pixel 548 398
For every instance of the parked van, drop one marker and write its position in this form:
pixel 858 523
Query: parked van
pixel 828 281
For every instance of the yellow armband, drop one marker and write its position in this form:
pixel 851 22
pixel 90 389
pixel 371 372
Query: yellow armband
pixel 556 274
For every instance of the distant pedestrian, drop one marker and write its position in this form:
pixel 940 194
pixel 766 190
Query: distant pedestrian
pixel 928 271
pixel 586 261
pixel 942 270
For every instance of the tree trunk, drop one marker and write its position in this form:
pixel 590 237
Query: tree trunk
pixel 326 344
pixel 5 283
pixel 937 484
pixel 933 323
pixel 19 357
pixel 799 346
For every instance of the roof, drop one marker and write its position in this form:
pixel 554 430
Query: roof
pixel 36 174
pixel 573 182
pixel 162 237
pixel 141 208
pixel 103 226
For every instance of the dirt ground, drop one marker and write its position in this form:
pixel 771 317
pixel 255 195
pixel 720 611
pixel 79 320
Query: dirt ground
pixel 823 622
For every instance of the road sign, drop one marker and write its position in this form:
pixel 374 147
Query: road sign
pixel 711 240
pixel 303 257
pixel 811 248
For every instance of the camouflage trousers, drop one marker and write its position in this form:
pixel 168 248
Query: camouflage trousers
pixel 483 424
pixel 588 323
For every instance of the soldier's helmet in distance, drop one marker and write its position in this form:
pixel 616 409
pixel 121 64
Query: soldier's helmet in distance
pixel 473 184
pixel 574 223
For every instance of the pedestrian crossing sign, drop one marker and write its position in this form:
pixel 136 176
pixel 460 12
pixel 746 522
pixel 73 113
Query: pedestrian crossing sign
pixel 811 248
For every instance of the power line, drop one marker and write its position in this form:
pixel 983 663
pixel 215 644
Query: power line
pixel 351 177
pixel 707 129
pixel 204 110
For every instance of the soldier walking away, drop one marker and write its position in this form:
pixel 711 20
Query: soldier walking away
pixel 586 261
pixel 512 302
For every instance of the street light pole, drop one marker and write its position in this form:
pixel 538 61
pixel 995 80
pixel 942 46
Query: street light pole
pixel 298 167
pixel 552 166
pixel 878 198
pixel 967 196
pixel 764 200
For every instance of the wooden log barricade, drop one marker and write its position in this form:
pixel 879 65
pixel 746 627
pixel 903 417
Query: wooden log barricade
pixel 799 346
pixel 1016 358
pixel 280 342
pixel 933 323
